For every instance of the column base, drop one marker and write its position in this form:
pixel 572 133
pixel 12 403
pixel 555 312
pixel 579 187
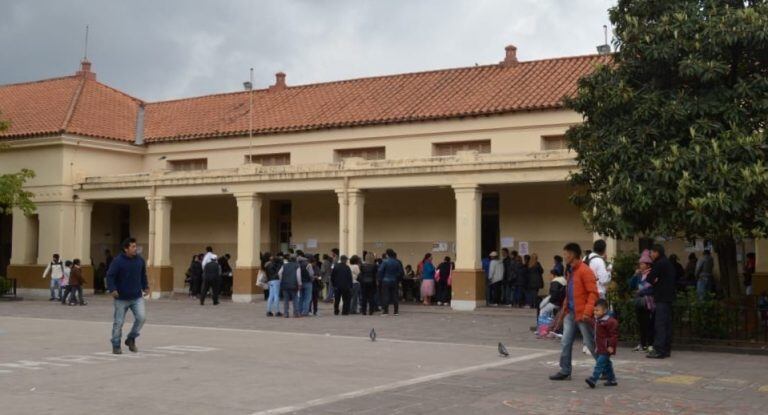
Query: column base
pixel 244 289
pixel 29 277
pixel 468 289
pixel 160 281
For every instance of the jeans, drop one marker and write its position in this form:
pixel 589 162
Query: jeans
pixel 443 292
pixel 530 297
pixel 604 366
pixel 65 294
pixel 353 302
pixel 214 284
pixel 389 295
pixel 519 296
pixel 288 296
pixel 645 324
pixel 702 287
pixel 273 303
pixel 306 298
pixel 76 291
pixel 662 333
pixel 341 294
pixel 569 335
pixel 55 286
pixel 139 316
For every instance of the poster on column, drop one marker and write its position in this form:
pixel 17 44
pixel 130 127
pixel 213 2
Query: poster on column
pixel 507 242
pixel 523 248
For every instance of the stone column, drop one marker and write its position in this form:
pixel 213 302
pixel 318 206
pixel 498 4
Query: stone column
pixel 23 239
pixel 343 221
pixel 355 222
pixel 24 267
pixel 160 271
pixel 468 278
pixel 83 210
pixel 244 287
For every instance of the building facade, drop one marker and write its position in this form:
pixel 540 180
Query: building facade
pixel 454 162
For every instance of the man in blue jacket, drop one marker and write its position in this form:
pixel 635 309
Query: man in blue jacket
pixel 390 273
pixel 127 283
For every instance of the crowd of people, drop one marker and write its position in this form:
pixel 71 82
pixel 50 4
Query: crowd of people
pixel 515 280
pixel 355 285
pixel 66 281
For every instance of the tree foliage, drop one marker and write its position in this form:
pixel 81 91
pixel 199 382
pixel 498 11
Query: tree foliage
pixel 673 141
pixel 12 193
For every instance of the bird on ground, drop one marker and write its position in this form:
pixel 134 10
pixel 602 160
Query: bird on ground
pixel 503 350
pixel 372 335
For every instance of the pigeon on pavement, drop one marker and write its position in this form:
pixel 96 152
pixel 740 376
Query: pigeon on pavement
pixel 503 350
pixel 372 335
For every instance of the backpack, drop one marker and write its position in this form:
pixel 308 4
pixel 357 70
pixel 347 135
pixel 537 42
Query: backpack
pixel 305 278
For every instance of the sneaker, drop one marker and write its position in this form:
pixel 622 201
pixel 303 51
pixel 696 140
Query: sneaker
pixel 655 355
pixel 590 382
pixel 52 299
pixel 439 303
pixel 611 383
pixel 560 376
pixel 269 314
pixel 639 348
pixel 279 314
pixel 117 350
pixel 397 314
pixel 131 343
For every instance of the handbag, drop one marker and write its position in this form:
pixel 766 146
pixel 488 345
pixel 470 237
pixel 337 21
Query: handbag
pixel 261 280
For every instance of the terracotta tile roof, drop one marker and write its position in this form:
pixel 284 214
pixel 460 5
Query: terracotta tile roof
pixel 75 104
pixel 41 107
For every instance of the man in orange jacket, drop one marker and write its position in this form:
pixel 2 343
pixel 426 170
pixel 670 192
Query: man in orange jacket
pixel 578 307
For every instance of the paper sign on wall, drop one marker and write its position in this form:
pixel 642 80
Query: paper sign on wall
pixel 440 247
pixel 507 242
pixel 311 243
pixel 523 248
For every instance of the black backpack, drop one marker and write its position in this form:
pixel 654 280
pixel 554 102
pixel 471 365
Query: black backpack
pixel 305 278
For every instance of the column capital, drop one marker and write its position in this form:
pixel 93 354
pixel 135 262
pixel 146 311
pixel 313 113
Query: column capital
pixel 247 196
pixel 465 187
pixel 158 201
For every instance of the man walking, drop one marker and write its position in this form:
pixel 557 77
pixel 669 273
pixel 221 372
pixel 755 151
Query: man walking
pixel 211 280
pixel 662 278
pixel 127 283
pixel 56 268
pixel 704 272
pixel 578 308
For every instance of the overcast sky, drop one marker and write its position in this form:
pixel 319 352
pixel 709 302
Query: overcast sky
pixel 157 50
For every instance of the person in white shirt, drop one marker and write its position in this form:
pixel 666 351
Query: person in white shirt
pixel 56 269
pixel 599 265
pixel 209 256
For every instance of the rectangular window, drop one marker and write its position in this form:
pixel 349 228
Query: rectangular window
pixel 189 164
pixel 369 153
pixel 451 149
pixel 553 142
pixel 275 159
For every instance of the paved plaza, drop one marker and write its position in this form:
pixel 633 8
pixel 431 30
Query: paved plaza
pixel 231 359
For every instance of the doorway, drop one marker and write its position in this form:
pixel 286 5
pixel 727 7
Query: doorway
pixel 281 225
pixel 489 237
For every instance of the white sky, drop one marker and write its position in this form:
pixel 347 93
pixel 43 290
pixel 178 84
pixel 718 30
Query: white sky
pixel 157 50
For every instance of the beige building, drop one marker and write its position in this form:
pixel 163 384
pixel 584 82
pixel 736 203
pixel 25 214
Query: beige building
pixel 456 162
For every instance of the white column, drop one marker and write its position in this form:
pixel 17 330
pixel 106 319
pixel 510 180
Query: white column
pixel 343 221
pixel 162 231
pixel 468 223
pixel 248 229
pixel 149 256
pixel 83 210
pixel 23 238
pixel 355 221
pixel 56 229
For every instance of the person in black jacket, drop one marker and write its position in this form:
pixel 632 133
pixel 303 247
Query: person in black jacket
pixel 212 281
pixel 662 278
pixel 341 279
pixel 367 279
pixel 195 275
pixel 509 278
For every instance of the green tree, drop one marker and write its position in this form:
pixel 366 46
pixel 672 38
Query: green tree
pixel 673 141
pixel 12 193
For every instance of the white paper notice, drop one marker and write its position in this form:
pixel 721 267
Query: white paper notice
pixel 523 248
pixel 507 242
